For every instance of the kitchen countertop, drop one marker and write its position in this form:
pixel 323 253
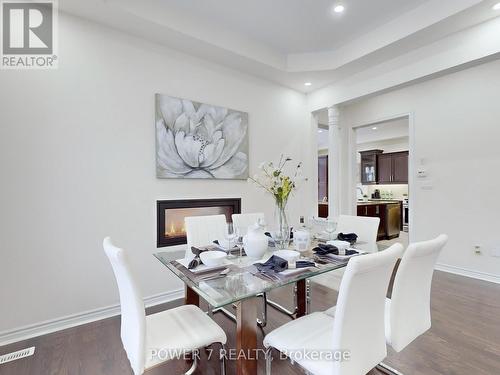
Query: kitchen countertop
pixel 371 202
pixel 378 201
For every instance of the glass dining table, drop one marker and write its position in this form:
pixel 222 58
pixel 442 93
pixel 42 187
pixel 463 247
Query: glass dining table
pixel 241 286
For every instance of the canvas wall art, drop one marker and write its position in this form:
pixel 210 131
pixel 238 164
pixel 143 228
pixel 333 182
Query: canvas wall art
pixel 196 140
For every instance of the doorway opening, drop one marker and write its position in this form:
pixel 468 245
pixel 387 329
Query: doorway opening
pixel 322 162
pixel 382 178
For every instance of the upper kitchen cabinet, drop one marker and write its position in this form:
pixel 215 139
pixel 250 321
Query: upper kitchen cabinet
pixel 369 166
pixel 384 167
pixel 400 168
pixel 393 168
pixel 380 168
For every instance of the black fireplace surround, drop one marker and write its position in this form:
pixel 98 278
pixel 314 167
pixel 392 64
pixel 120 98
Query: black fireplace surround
pixel 170 216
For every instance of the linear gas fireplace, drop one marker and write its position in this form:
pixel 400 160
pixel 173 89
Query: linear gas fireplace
pixel 170 216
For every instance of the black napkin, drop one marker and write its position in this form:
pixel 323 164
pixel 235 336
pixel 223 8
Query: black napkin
pixel 196 261
pixel 304 264
pixel 348 237
pixel 324 249
pixel 274 263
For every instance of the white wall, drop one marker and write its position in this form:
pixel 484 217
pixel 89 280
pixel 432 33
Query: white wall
pixel 456 139
pixel 77 160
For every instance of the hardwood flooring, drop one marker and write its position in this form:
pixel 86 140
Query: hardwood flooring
pixel 464 339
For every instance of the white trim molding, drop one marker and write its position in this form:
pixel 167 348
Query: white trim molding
pixel 49 326
pixel 334 165
pixel 468 273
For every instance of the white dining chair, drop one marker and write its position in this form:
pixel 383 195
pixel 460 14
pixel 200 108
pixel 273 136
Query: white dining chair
pixel 153 339
pixel 356 324
pixel 203 230
pixel 244 221
pixel 408 311
pixel 367 230
pixel 365 227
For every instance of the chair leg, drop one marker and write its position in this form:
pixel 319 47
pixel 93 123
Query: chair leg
pixel 386 369
pixel 194 365
pixel 227 313
pixel 269 359
pixel 308 296
pixel 222 358
pixel 263 322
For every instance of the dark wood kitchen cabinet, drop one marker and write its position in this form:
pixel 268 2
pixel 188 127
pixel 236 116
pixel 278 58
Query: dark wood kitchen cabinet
pixel 369 166
pixel 323 210
pixel 389 213
pixel 400 168
pixel 375 210
pixel 392 168
pixel 384 166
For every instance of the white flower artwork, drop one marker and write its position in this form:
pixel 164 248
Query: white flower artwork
pixel 195 140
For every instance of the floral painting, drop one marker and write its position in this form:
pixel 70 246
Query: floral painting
pixel 195 140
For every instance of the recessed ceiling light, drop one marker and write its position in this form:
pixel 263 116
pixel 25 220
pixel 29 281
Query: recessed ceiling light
pixel 339 8
pixel 374 128
pixel 496 6
pixel 307 84
pixel 320 131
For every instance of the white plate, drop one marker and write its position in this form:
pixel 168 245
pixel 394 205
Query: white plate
pixel 291 256
pixel 344 257
pixel 202 267
pixel 324 236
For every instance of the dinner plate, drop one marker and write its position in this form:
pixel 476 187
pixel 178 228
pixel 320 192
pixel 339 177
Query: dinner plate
pixel 344 257
pixel 202 267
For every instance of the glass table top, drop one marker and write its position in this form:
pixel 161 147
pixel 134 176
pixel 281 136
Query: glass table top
pixel 244 281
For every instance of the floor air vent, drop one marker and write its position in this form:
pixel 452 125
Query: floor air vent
pixel 17 355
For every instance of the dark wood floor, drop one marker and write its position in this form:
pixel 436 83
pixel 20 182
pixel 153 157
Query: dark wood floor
pixel 464 339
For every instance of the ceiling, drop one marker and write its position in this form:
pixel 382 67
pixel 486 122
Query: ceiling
pixel 396 129
pixel 289 42
pixel 295 26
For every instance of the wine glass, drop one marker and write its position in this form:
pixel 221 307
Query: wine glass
pixel 239 243
pixel 229 236
pixel 330 227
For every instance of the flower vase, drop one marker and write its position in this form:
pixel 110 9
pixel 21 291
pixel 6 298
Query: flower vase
pixel 282 235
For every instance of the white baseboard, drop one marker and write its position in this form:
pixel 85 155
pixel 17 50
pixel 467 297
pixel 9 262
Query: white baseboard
pixel 43 328
pixel 468 273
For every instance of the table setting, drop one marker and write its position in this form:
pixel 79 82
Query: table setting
pixel 259 257
pixel 256 268
pixel 239 269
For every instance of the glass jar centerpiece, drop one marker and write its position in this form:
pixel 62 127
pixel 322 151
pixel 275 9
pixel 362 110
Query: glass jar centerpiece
pixel 280 184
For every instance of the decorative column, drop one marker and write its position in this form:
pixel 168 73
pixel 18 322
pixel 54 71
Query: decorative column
pixel 334 156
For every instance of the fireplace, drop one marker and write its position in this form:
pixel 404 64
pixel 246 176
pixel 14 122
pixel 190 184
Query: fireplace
pixel 170 216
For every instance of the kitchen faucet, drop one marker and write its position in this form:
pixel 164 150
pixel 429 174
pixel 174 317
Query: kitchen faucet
pixel 361 191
